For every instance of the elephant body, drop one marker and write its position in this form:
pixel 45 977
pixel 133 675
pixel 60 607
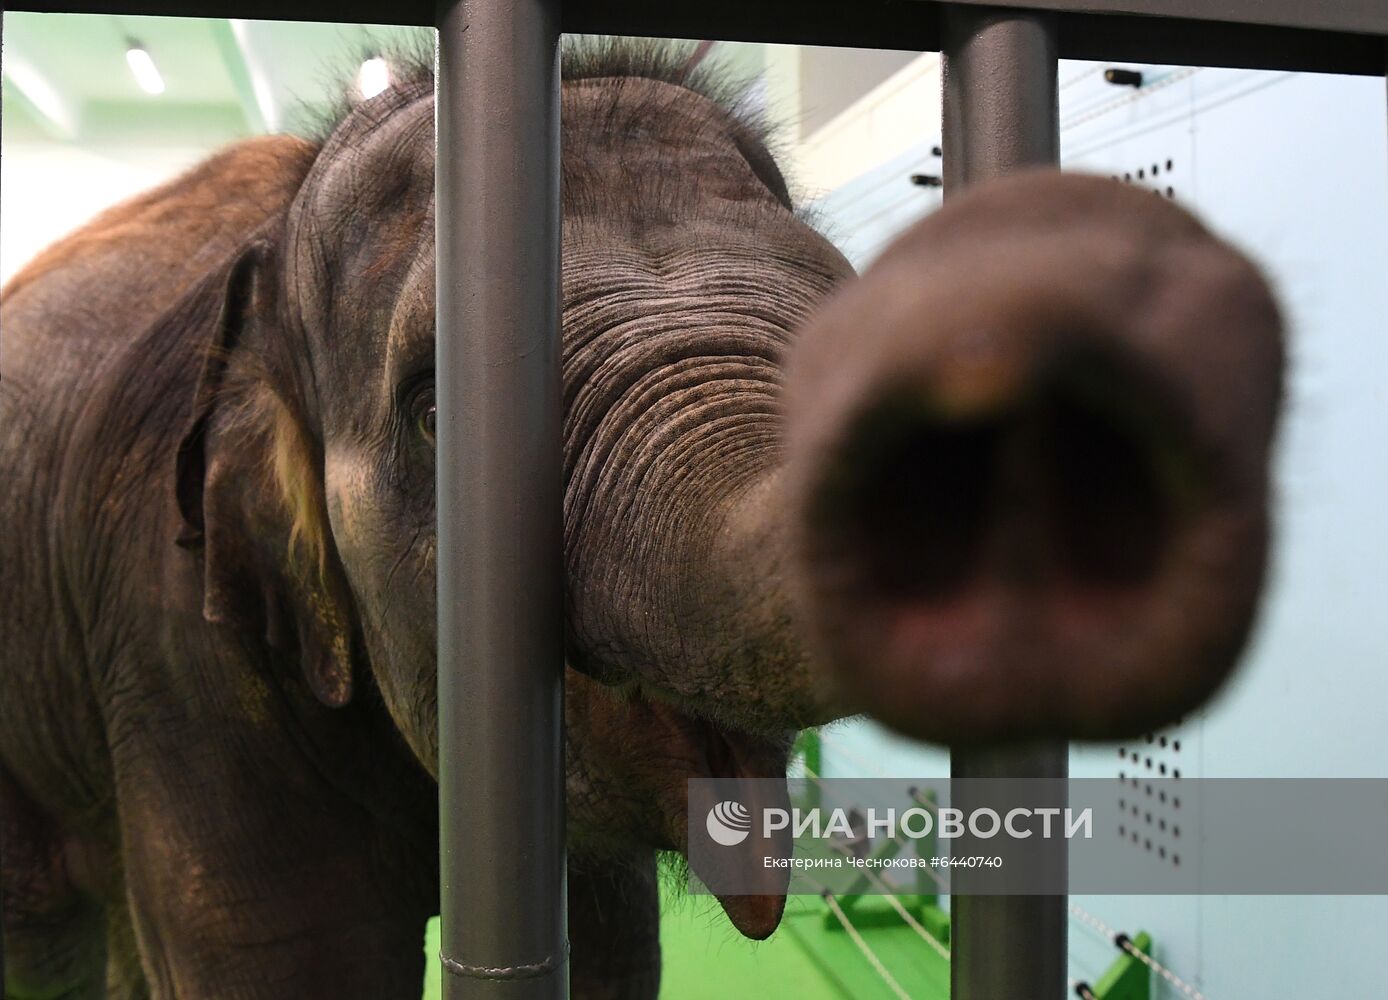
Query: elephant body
pixel 164 782
pixel 218 719
pixel 195 801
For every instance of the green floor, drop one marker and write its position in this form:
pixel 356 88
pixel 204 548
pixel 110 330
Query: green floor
pixel 811 957
pixel 808 958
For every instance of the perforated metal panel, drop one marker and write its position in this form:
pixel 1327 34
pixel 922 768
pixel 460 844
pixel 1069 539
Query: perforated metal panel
pixel 1152 816
pixel 1160 176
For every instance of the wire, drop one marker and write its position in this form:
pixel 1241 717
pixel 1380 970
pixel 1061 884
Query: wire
pixel 1125 944
pixel 1083 990
pixel 934 876
pixel 1083 75
pixel 857 938
pixel 915 925
pixel 1089 114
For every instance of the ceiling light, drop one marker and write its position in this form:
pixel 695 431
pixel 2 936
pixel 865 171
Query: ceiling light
pixel 146 73
pixel 21 76
pixel 373 77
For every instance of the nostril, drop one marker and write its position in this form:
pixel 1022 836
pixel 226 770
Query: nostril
pixel 1080 479
pixel 908 504
pixel 1113 520
pixel 1119 474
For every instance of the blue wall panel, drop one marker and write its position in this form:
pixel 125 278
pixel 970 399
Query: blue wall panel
pixel 1293 168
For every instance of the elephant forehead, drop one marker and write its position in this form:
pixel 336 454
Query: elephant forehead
pixel 363 214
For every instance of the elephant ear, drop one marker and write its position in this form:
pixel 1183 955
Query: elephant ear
pixel 249 485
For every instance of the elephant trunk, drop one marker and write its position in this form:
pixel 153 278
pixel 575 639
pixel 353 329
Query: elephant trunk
pixel 1027 465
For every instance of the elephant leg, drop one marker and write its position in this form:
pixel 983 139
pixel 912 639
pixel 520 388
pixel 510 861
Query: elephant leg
pixel 280 944
pixel 229 923
pixel 53 932
pixel 614 928
pixel 240 891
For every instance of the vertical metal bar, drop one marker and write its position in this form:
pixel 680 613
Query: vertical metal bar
pixel 500 561
pixel 1001 113
pixel 2 836
pixel 1001 105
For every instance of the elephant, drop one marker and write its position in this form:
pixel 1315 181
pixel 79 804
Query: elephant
pixel 1012 467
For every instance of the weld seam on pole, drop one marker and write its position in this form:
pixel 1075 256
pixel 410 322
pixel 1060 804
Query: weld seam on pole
pixel 528 970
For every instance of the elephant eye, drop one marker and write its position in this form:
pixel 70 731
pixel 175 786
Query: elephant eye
pixel 425 413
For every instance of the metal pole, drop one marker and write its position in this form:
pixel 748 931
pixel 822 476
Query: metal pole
pixel 2 839
pixel 1001 113
pixel 1001 107
pixel 500 561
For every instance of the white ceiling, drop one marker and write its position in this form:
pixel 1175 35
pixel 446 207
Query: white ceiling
pixel 66 78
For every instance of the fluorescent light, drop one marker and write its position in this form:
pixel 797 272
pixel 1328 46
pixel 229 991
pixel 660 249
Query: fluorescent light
pixel 146 73
pixel 28 81
pixel 373 77
pixel 263 92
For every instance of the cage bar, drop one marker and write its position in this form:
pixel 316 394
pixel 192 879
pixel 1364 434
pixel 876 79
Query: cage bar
pixel 1001 113
pixel 500 557
pixel 500 561
pixel 1329 36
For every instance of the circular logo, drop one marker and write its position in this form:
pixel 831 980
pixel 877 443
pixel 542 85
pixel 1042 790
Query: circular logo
pixel 729 823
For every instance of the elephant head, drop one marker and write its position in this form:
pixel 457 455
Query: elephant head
pixel 1016 487
pixel 307 476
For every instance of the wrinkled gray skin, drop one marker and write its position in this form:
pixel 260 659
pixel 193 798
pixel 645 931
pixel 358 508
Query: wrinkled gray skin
pixel 218 728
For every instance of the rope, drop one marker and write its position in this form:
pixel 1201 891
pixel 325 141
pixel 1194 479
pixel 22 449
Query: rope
pixel 915 925
pixel 887 891
pixel 934 876
pixel 1125 944
pixel 857 938
pixel 1119 940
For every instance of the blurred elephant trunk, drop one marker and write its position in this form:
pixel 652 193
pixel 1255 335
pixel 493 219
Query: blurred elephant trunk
pixel 1028 465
